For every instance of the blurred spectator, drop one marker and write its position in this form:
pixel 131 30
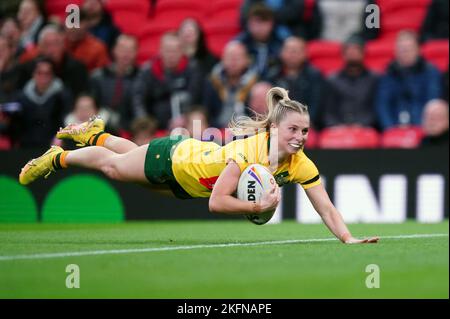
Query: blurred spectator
pixel 143 130
pixel 409 83
pixel 292 17
pixel 194 47
pixel 257 101
pixel 44 102
pixel 9 92
pixel 99 22
pixel 196 122
pixel 351 92
pixel 435 24
pixel 303 81
pixel 9 80
pixel 10 29
pixel 262 42
pixel 343 18
pixel 435 123
pixel 85 47
pixel 51 44
pixel 167 85
pixel 229 85
pixel 31 20
pixel 113 84
pixel 84 108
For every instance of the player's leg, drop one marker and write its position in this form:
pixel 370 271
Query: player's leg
pixel 91 133
pixel 127 167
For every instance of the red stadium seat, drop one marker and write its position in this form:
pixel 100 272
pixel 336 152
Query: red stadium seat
pixel 308 9
pixel 325 55
pixel 402 137
pixel 129 22
pixel 378 54
pixel 129 16
pixel 58 7
pixel 224 10
pixel 218 34
pixel 5 143
pixel 313 139
pixel 349 137
pixel 150 37
pixel 394 22
pixel 436 51
pixel 141 6
pixel 393 5
pixel 178 10
pixel 397 15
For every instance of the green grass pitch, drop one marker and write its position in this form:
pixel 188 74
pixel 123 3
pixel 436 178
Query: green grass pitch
pixel 215 259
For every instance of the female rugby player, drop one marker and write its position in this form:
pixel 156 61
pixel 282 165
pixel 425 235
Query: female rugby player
pixel 191 168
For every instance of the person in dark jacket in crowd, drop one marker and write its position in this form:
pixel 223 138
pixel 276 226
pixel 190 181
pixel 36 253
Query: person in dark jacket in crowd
pixel 303 81
pixel 167 85
pixel 113 84
pixel 228 87
pixel 44 103
pixel 301 18
pixel 262 42
pixel 100 22
pixel 351 91
pixel 409 83
pixel 72 72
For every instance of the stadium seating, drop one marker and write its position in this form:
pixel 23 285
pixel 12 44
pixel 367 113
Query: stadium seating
pixel 224 10
pixel 398 15
pixel 378 54
pixel 349 137
pixel 436 51
pixel 218 34
pixel 129 15
pixel 58 7
pixel 149 38
pixel 402 137
pixel 175 11
pixel 313 138
pixel 221 24
pixel 325 55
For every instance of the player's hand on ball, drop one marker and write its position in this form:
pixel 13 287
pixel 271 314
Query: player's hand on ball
pixel 372 240
pixel 269 200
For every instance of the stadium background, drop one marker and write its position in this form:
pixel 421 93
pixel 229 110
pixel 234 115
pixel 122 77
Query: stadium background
pixel 387 185
pixel 363 154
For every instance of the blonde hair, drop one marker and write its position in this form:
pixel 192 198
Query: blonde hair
pixel 278 105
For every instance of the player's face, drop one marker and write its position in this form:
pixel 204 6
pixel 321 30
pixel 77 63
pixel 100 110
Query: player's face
pixel 292 132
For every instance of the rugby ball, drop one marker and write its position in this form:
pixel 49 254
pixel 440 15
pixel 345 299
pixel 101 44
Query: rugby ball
pixel 253 182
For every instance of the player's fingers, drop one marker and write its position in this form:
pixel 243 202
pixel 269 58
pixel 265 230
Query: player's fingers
pixel 373 240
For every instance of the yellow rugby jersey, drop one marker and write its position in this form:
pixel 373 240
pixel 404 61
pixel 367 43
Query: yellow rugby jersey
pixel 197 165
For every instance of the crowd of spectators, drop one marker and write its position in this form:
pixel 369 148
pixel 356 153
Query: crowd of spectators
pixel 52 74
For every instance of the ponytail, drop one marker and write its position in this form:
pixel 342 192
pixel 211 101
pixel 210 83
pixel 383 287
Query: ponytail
pixel 278 104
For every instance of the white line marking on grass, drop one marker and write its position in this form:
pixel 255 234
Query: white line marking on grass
pixel 153 249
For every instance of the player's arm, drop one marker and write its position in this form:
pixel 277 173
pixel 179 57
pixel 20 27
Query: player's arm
pixel 223 201
pixel 331 217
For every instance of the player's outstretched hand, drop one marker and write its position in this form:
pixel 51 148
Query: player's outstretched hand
pixel 371 240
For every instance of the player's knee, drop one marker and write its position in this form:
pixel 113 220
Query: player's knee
pixel 111 169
